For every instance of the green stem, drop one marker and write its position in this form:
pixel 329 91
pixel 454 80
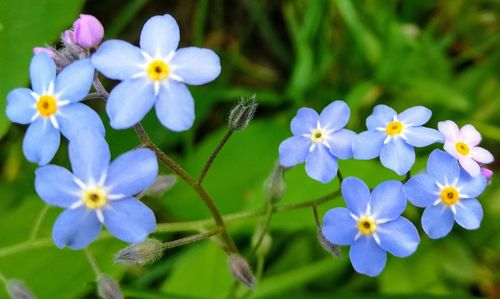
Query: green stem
pixel 264 228
pixel 191 239
pixel 3 278
pixel 214 154
pixel 316 216
pixel 92 262
pixel 38 222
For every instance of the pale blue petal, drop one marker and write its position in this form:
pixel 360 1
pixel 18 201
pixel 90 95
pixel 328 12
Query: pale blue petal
pixel 381 116
pixel 42 72
pixel 443 167
pixel 399 237
pixel 132 172
pixel 89 156
pixel 321 165
pixel 293 151
pixel 367 145
pixel 129 102
pixel 421 190
pixel 335 116
pixel 356 195
pixel 20 106
pixel 421 136
pixel 341 143
pixel 195 66
pixel 129 220
pixel 415 116
pixel 304 122
pixel 398 156
pixel 367 257
pixel 388 200
pixel 471 187
pixel 56 186
pixel 469 213
pixel 74 81
pixel 75 117
pixel 175 107
pixel 76 228
pixel 118 60
pixel 437 221
pixel 41 142
pixel 339 227
pixel 160 35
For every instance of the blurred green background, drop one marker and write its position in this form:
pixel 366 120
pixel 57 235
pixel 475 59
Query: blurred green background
pixel 441 54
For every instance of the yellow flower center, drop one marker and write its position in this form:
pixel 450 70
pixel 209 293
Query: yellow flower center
pixel 394 128
pixel 449 196
pixel 46 105
pixel 317 136
pixel 366 225
pixel 462 148
pixel 95 198
pixel 158 70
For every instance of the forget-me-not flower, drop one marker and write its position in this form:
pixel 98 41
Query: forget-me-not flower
pixel 52 106
pixel 98 192
pixel 448 194
pixel 319 140
pixel 154 74
pixel 392 136
pixel 371 224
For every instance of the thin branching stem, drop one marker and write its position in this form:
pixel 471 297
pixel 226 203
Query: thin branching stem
pixel 263 228
pixel 92 262
pixel 214 154
pixel 38 222
pixel 192 239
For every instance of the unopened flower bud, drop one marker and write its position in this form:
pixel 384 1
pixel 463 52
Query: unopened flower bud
pixel 108 288
pixel 68 37
pixel 142 253
pixel 240 270
pixel 18 290
pixel 242 114
pixel 265 244
pixel 275 185
pixel 331 248
pixel 48 50
pixel 88 31
pixel 488 173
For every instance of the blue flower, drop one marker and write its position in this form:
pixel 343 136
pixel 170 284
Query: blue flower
pixel 448 194
pixel 392 136
pixel 371 224
pixel 319 140
pixel 154 74
pixel 52 106
pixel 98 192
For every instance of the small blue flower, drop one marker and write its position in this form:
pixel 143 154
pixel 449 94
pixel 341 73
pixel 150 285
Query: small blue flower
pixel 448 194
pixel 392 137
pixel 98 192
pixel 154 74
pixel 319 140
pixel 371 224
pixel 52 106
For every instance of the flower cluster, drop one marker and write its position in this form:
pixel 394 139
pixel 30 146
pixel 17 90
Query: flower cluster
pixel 372 224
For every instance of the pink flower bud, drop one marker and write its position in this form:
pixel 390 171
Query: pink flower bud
pixel 38 50
pixel 68 36
pixel 87 31
pixel 488 174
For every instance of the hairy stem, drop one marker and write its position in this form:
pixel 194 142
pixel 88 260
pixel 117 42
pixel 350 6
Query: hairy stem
pixel 92 262
pixel 263 228
pixel 192 239
pixel 214 154
pixel 38 222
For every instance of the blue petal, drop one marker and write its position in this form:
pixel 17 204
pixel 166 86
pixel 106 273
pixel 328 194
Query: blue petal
pixel 339 227
pixel 293 151
pixel 118 60
pixel 160 35
pixel 175 107
pixel 41 142
pixel 196 66
pixel 321 165
pixel 89 156
pixel 335 116
pixel 421 136
pixel 471 187
pixel 421 190
pixel 443 167
pixel 341 143
pixel 469 213
pixel 367 145
pixel 129 220
pixel 367 257
pixel 398 156
pixel 129 102
pixel 20 106
pixel 388 201
pixel 381 116
pixel 356 195
pixel 416 116
pixel 399 237
pixel 42 72
pixel 304 122
pixel 132 172
pixel 437 221
pixel 76 228
pixel 76 117
pixel 56 186
pixel 74 81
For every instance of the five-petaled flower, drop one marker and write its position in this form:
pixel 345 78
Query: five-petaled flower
pixel 52 106
pixel 154 74
pixel 318 141
pixel 98 192
pixel 448 194
pixel 462 144
pixel 371 224
pixel 392 136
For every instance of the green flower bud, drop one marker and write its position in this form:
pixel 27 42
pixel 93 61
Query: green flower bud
pixel 17 289
pixel 108 288
pixel 142 253
pixel 275 184
pixel 331 248
pixel 242 114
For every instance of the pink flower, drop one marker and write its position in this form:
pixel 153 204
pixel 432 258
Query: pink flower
pixel 488 173
pixel 87 31
pixel 462 144
pixel 68 36
pixel 48 50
